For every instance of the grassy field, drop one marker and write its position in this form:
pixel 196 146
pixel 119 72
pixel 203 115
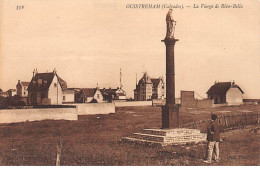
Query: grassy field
pixel 95 140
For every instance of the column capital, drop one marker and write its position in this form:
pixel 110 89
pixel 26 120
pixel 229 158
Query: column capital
pixel 169 41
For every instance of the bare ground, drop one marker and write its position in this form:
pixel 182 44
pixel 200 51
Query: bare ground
pixel 95 140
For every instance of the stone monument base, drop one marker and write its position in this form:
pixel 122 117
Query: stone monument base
pixel 166 137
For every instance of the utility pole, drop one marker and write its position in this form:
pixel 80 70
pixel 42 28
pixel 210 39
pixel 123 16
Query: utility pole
pixel 121 79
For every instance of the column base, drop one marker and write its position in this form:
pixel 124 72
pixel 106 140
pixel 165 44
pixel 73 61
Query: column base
pixel 164 137
pixel 170 116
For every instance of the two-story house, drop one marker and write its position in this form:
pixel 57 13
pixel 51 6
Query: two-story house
pixel 46 88
pixel 149 88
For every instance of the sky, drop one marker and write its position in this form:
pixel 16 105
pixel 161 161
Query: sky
pixel 89 41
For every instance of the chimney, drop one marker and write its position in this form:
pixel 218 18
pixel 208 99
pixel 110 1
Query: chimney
pixel 33 72
pixel 233 83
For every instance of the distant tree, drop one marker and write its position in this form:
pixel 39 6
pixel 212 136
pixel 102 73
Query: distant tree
pixel 154 96
pixel 14 100
pixel 4 102
pixel 1 90
pixel 21 103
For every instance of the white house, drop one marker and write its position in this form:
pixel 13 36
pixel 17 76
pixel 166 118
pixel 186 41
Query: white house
pixel 88 95
pixel 46 88
pixel 113 94
pixel 226 93
pixel 68 96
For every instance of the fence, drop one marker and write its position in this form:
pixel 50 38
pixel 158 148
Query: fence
pixel 228 122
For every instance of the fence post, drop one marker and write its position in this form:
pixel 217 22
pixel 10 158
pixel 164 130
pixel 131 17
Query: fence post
pixel 236 124
pixel 59 147
pixel 257 121
pixel 193 124
pixel 221 122
pixel 251 119
pixel 245 119
pixel 226 123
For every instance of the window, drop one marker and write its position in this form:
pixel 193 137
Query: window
pixel 24 88
pixel 55 84
pixel 98 96
pixel 64 98
pixel 24 93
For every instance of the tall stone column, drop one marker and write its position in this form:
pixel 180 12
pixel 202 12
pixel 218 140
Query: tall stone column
pixel 170 112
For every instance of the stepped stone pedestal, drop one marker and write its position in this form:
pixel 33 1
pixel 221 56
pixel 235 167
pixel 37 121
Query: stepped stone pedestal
pixel 166 137
pixel 170 132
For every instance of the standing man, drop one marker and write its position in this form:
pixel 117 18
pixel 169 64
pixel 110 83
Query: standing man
pixel 213 138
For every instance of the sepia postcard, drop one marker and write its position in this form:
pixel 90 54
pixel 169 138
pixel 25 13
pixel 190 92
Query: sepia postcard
pixel 129 83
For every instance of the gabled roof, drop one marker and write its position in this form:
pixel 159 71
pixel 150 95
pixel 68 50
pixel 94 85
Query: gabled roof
pixel 236 86
pixel 4 94
pixel 11 90
pixel 145 79
pixel 108 91
pixel 120 94
pixel 63 83
pixel 46 81
pixel 222 88
pixel 115 92
pixel 155 82
pixel 25 83
pixel 89 92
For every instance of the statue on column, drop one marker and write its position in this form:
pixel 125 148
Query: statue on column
pixel 170 24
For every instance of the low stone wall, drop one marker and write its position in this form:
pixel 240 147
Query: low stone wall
pixel 95 108
pixel 159 102
pixel 133 103
pixel 204 103
pixel 189 103
pixel 22 115
pixel 197 103
pixel 220 105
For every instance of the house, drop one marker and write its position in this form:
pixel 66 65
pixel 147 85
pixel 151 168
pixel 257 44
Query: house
pixel 21 88
pixel 76 94
pixel 149 88
pixel 68 96
pixel 88 95
pixel 113 94
pixel 11 92
pixel 46 88
pixel 158 88
pixel 4 94
pixel 226 92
